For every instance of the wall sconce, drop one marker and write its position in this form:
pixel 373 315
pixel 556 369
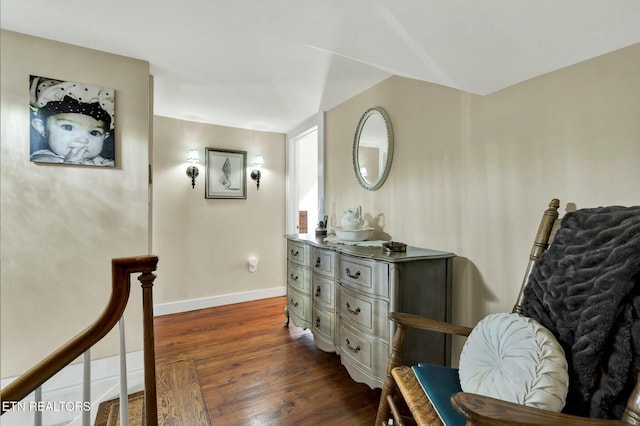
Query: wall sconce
pixel 255 174
pixel 192 170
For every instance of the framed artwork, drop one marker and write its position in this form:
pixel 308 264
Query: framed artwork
pixel 226 173
pixel 71 123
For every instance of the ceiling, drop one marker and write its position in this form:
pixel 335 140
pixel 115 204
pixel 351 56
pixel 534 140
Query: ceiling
pixel 270 64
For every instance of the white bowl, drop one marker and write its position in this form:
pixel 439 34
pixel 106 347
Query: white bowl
pixel 352 234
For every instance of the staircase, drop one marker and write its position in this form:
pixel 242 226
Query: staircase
pixel 109 411
pixel 13 394
pixel 179 396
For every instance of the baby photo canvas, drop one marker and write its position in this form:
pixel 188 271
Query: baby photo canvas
pixel 71 123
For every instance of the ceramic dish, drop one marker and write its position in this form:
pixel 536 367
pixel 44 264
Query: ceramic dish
pixel 353 234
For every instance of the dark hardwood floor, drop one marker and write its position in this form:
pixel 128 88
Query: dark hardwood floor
pixel 255 371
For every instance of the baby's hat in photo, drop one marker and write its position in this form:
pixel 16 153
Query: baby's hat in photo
pixel 57 96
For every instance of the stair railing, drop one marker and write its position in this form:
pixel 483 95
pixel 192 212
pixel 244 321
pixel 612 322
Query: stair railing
pixel 121 269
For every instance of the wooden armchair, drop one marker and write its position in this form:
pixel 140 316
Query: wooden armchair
pixel 401 383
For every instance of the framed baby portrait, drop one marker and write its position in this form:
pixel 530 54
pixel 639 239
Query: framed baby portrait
pixel 71 123
pixel 226 173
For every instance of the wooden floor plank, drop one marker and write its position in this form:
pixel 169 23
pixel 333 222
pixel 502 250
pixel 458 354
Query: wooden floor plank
pixel 180 400
pixel 254 371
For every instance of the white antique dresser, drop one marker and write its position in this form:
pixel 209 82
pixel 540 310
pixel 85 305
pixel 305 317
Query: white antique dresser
pixel 344 294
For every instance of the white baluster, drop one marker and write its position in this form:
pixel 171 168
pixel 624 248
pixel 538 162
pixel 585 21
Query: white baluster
pixel 86 388
pixel 37 420
pixel 124 392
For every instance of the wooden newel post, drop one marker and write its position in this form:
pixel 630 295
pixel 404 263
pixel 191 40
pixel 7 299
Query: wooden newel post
pixel 150 396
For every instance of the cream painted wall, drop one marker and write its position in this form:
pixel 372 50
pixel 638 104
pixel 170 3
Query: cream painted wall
pixel 62 225
pixel 204 244
pixel 473 174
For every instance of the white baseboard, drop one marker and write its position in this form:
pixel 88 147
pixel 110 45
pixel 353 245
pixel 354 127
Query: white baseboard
pixel 209 302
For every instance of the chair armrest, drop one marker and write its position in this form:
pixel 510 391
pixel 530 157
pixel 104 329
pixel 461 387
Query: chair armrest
pixel 404 321
pixel 414 321
pixel 483 410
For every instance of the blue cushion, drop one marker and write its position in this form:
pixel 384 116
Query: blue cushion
pixel 439 383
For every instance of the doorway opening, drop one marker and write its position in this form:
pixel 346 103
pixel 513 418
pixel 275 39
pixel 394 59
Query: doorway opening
pixel 305 176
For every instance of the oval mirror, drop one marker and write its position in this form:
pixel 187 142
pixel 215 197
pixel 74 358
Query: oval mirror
pixel 373 148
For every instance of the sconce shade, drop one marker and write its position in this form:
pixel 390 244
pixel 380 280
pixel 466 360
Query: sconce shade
pixel 256 174
pixel 192 171
pixel 193 157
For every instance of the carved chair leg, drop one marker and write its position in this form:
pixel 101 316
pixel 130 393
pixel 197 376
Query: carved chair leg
pixel 389 388
pixel 286 314
pixel 397 417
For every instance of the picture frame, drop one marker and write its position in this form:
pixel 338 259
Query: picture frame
pixel 225 173
pixel 71 123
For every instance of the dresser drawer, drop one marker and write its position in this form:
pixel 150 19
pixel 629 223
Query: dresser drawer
pixel 365 275
pixel 298 252
pixel 299 277
pixel 367 314
pixel 324 262
pixel 323 291
pixel 324 323
pixel 365 353
pixel 299 305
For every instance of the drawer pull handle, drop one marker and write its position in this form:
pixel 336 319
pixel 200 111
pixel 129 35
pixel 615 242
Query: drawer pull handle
pixel 350 275
pixel 294 253
pixel 317 322
pixel 295 304
pixel 318 291
pixel 294 277
pixel 351 311
pixel 318 262
pixel 351 348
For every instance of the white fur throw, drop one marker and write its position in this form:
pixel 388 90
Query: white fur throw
pixel 514 358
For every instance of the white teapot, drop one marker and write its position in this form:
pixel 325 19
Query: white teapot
pixel 352 218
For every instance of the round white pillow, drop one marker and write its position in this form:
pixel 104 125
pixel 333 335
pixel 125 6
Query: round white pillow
pixel 516 359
